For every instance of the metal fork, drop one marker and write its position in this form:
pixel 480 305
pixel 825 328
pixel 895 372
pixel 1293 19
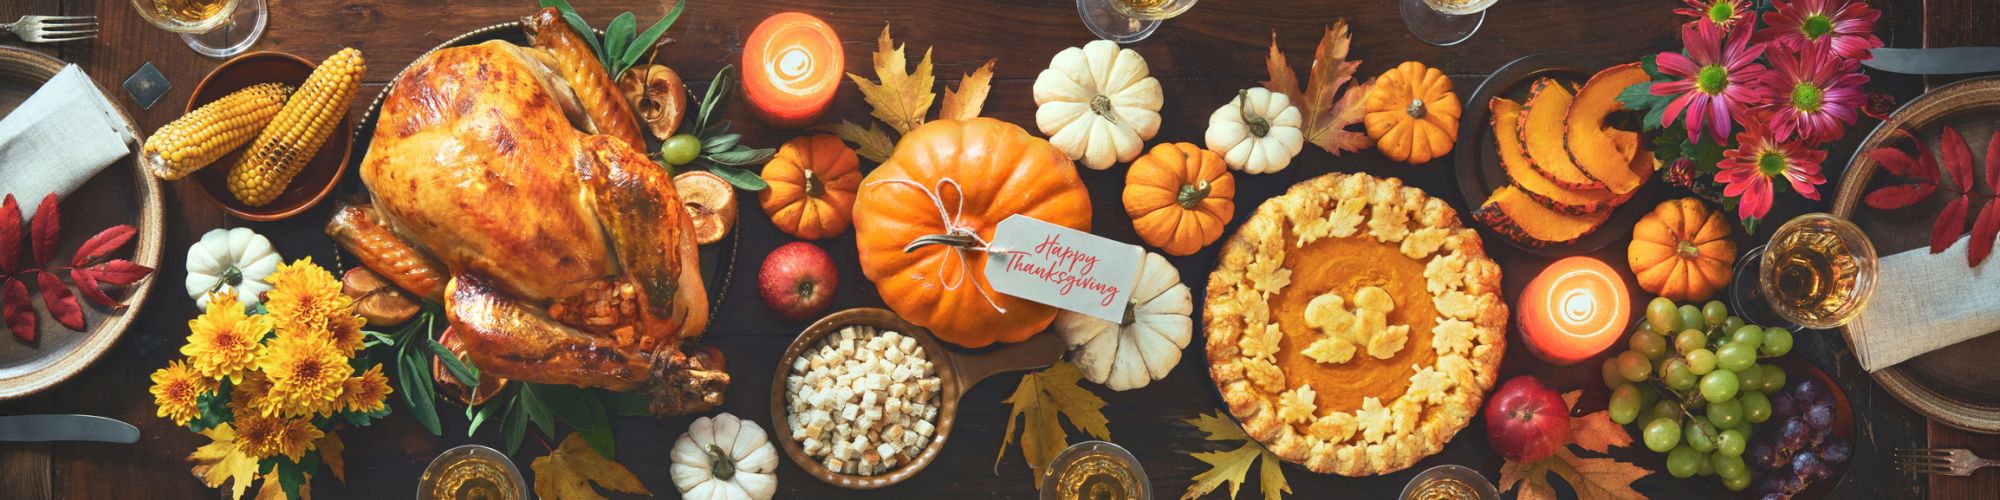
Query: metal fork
pixel 1949 462
pixel 51 29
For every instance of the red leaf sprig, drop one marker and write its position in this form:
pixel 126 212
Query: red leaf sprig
pixel 1957 161
pixel 92 268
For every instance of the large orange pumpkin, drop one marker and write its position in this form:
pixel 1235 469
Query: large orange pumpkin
pixel 812 182
pixel 1682 251
pixel 1179 196
pixel 948 181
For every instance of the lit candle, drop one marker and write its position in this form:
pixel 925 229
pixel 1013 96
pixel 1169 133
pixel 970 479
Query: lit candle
pixel 791 65
pixel 1573 310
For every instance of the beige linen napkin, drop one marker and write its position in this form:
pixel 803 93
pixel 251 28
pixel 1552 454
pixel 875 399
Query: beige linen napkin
pixel 1925 302
pixel 58 139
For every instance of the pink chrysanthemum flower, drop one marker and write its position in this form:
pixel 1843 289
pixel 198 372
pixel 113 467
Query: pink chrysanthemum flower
pixel 1811 94
pixel 1847 26
pixel 1723 13
pixel 1716 79
pixel 1749 171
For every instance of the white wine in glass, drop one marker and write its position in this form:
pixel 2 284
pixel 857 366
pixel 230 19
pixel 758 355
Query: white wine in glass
pixel 215 28
pixel 1127 21
pixel 1444 22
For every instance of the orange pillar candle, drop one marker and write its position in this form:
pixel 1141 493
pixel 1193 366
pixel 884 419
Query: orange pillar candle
pixel 791 65
pixel 1575 309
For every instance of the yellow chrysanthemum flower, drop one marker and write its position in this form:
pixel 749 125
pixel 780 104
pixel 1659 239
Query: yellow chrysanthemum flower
pixel 176 390
pixel 306 376
pixel 259 437
pixel 296 436
pixel 224 341
pixel 344 331
pixel 249 397
pixel 303 296
pixel 365 393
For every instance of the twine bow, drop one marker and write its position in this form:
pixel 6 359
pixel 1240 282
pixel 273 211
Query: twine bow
pixel 957 235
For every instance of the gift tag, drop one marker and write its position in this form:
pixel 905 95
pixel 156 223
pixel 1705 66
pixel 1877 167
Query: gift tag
pixel 1063 267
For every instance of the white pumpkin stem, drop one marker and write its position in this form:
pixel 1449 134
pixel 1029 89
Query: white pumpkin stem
pixel 231 277
pixel 719 463
pixel 1259 127
pixel 1102 106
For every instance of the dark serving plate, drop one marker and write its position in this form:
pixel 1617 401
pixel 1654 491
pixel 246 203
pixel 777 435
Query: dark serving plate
pixel 1478 162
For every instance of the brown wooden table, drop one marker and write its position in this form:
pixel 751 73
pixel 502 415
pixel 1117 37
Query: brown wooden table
pixel 1201 59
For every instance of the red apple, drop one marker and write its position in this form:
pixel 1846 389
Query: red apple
pixel 1526 421
pixel 798 280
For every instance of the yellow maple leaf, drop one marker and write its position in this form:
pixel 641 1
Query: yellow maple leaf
pixel 871 143
pixel 273 490
pixel 1595 432
pixel 965 102
pixel 899 99
pixel 221 461
pixel 1233 466
pixel 566 473
pixel 1591 478
pixel 1327 113
pixel 329 454
pixel 1036 402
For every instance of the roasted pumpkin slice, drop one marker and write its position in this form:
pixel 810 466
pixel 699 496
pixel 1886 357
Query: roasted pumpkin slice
pixel 1506 124
pixel 1512 213
pixel 1591 148
pixel 1542 134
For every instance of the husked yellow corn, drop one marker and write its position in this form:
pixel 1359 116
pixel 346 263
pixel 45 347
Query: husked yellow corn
pixel 196 139
pixel 304 124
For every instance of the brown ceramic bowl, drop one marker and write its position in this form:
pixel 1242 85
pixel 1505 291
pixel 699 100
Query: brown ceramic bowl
pixel 320 174
pixel 957 372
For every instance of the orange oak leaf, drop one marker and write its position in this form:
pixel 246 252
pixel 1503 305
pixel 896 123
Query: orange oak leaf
pixel 965 102
pixel 1327 112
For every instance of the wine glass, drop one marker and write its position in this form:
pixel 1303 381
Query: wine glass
pixel 215 28
pixel 1127 21
pixel 1444 22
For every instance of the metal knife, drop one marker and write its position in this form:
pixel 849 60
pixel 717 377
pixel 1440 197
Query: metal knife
pixel 1942 61
pixel 36 428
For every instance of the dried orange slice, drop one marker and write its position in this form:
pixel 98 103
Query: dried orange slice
pixel 710 201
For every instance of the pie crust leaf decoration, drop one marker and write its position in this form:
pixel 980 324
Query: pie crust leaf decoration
pixel 1382 270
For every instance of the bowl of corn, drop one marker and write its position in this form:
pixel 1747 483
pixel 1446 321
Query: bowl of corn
pixel 265 134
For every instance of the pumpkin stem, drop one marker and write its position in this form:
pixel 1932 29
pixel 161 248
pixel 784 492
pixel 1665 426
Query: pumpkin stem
pixel 1687 250
pixel 954 238
pixel 1192 194
pixel 814 186
pixel 1102 106
pixel 1259 127
pixel 231 276
pixel 1417 108
pixel 1131 313
pixel 719 463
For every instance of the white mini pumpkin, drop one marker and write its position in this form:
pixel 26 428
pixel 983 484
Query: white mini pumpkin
pixel 230 259
pixel 1257 132
pixel 1148 344
pixel 1097 104
pixel 725 458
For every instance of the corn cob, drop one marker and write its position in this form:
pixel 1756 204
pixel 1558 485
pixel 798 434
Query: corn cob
pixel 196 139
pixel 299 130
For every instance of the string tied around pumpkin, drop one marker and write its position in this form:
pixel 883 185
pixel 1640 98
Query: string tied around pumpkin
pixel 961 238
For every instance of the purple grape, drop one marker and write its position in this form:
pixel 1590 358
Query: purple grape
pixel 1777 496
pixel 1763 455
pixel 1820 415
pixel 1792 434
pixel 1792 483
pixel 1835 451
pixel 1781 406
pixel 1806 390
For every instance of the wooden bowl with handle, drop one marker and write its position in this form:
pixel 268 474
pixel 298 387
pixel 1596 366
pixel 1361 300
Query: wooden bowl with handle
pixel 314 181
pixel 956 372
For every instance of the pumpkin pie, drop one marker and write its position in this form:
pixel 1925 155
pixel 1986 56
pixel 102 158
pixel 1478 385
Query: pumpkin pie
pixel 1354 325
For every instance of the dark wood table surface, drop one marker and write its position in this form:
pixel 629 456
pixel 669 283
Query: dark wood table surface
pixel 1201 60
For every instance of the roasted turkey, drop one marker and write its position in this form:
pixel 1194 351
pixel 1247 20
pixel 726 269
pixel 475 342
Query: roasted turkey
pixel 561 256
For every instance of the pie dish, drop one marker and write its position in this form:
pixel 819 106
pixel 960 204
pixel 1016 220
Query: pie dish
pixel 1354 325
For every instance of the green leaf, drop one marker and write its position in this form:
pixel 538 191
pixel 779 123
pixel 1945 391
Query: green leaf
pixel 719 127
pixel 618 39
pixel 598 433
pixel 538 410
pixel 740 178
pixel 741 157
pixel 465 373
pixel 628 404
pixel 213 408
pixel 383 338
pixel 514 425
pixel 413 375
pixel 651 36
pixel 1652 66
pixel 720 143
pixel 480 416
pixel 716 96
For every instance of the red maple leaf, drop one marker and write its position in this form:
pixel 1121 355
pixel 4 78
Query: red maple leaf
pixel 1956 157
pixel 56 296
pixel 44 229
pixel 94 250
pixel 14 308
pixel 10 235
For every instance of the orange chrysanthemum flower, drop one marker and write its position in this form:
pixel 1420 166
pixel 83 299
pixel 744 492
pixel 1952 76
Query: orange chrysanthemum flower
pixel 224 341
pixel 177 391
pixel 365 393
pixel 306 376
pixel 303 297
pixel 259 437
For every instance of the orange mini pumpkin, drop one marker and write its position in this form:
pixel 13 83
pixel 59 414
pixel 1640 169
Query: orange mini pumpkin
pixel 1682 251
pixel 1179 196
pixel 1412 113
pixel 922 216
pixel 812 180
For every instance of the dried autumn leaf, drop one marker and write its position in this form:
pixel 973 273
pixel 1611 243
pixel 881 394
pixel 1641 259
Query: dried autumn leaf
pixel 330 447
pixel 566 473
pixel 1983 230
pixel 220 461
pixel 871 143
pixel 86 284
pixel 1950 223
pixel 1957 158
pixel 1327 113
pixel 1898 196
pixel 1232 466
pixel 1595 432
pixel 965 102
pixel 15 309
pixel 61 304
pixel 44 229
pixel 1533 479
pixel 1597 478
pixel 1036 402
pixel 106 241
pixel 274 489
pixel 899 99
pixel 10 235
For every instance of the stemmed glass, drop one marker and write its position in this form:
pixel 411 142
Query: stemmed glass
pixel 1444 22
pixel 215 28
pixel 1127 21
